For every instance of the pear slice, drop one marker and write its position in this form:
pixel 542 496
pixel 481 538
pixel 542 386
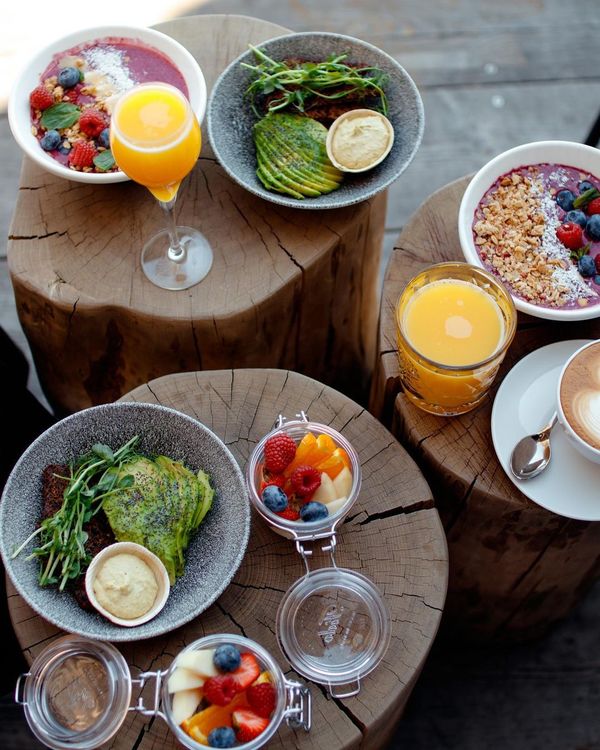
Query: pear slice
pixel 185 703
pixel 201 662
pixel 343 483
pixel 184 679
pixel 334 506
pixel 326 491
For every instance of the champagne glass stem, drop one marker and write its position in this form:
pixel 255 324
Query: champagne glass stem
pixel 176 249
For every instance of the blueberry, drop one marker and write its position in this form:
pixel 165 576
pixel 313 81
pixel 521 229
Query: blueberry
pixel 577 217
pixel 586 266
pixel 227 658
pixel 64 150
pixel 68 77
pixel 51 140
pixel 274 498
pixel 597 280
pixel 565 199
pixel 221 737
pixel 592 228
pixel 313 511
pixel 585 185
pixel 104 138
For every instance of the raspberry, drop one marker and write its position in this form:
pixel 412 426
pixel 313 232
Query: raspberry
pixel 41 98
pixel 593 207
pixel 279 452
pixel 92 123
pixel 276 479
pixel 305 480
pixel 262 698
pixel 289 514
pixel 82 154
pixel 571 235
pixel 220 690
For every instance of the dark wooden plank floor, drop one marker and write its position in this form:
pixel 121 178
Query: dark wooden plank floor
pixel 492 74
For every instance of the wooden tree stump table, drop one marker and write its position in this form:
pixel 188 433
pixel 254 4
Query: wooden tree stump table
pixel 514 567
pixel 393 536
pixel 293 289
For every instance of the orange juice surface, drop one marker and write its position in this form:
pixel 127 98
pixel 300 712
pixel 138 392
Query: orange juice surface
pixel 155 138
pixel 453 323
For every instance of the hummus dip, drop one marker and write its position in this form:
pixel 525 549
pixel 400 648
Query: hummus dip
pixel 125 586
pixel 359 139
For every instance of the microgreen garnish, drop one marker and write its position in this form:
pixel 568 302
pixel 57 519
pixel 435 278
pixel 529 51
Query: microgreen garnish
pixel 577 255
pixel 104 160
pixel 585 197
pixel 61 115
pixel 92 478
pixel 299 85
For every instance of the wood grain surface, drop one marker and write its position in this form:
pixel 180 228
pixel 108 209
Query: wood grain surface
pixel 393 536
pixel 287 289
pixel 515 567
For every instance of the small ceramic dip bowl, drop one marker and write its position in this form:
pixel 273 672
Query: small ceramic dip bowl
pixel 359 140
pixel 150 559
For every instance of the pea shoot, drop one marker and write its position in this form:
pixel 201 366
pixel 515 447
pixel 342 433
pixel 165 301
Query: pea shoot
pixel 92 478
pixel 301 85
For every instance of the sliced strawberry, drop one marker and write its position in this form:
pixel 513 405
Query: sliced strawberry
pixel 262 698
pixel 246 673
pixel 290 514
pixel 248 725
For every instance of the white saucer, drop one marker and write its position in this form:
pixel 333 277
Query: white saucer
pixel 570 486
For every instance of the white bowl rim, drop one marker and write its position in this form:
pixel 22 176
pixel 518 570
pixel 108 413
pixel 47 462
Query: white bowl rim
pixel 143 553
pixel 79 37
pixel 465 223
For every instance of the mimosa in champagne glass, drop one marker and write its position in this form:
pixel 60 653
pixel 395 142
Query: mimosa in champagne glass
pixel 155 139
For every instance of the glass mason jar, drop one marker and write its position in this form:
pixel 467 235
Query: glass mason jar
pixel 333 624
pixel 78 692
pixel 449 390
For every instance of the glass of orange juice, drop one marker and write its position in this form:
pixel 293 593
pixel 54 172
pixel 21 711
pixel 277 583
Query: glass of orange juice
pixel 155 139
pixel 455 323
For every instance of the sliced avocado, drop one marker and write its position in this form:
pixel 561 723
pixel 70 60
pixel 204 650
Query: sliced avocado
pixel 285 179
pixel 298 170
pixel 271 182
pixel 324 165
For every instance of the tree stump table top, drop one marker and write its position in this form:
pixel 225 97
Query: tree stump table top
pixel 291 289
pixel 393 536
pixel 514 566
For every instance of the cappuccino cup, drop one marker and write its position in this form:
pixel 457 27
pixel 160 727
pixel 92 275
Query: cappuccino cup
pixel 578 399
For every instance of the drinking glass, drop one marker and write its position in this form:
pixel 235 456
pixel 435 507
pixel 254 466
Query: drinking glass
pixel 155 139
pixel 442 389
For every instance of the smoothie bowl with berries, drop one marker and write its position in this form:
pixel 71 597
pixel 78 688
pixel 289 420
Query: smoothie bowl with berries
pixel 532 218
pixel 303 478
pixel 61 105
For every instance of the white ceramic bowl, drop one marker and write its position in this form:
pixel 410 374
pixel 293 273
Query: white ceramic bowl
pixel 568 153
pixel 155 564
pixel 19 114
pixel 586 450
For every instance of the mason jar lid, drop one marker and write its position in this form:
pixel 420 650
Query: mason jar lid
pixel 76 694
pixel 334 627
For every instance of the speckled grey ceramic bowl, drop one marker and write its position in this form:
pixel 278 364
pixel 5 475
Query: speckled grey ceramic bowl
pixel 214 554
pixel 230 118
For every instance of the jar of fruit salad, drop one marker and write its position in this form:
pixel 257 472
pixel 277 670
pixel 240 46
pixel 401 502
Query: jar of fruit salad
pixel 220 691
pixel 333 624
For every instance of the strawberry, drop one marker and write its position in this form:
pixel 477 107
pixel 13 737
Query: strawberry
pixel 279 452
pixel 593 207
pixel 246 673
pixel 305 480
pixel 276 479
pixel 82 154
pixel 41 98
pixel 220 690
pixel 571 235
pixel 92 122
pixel 248 725
pixel 262 698
pixel 290 514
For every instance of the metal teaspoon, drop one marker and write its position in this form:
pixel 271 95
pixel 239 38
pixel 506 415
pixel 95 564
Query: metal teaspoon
pixel 531 454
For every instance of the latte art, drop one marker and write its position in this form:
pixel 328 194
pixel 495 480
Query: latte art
pixel 580 395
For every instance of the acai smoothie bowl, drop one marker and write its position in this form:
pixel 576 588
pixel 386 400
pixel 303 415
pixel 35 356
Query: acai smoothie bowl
pixel 531 217
pixel 60 107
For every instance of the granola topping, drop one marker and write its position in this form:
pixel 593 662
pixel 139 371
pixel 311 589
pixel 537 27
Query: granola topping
pixel 514 230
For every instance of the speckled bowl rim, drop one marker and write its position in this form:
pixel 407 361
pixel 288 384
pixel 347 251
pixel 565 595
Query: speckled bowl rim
pixel 128 634
pixel 306 205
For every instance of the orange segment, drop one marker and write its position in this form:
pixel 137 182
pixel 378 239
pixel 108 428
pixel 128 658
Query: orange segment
pixel 326 444
pixel 332 465
pixel 344 456
pixel 307 443
pixel 200 725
